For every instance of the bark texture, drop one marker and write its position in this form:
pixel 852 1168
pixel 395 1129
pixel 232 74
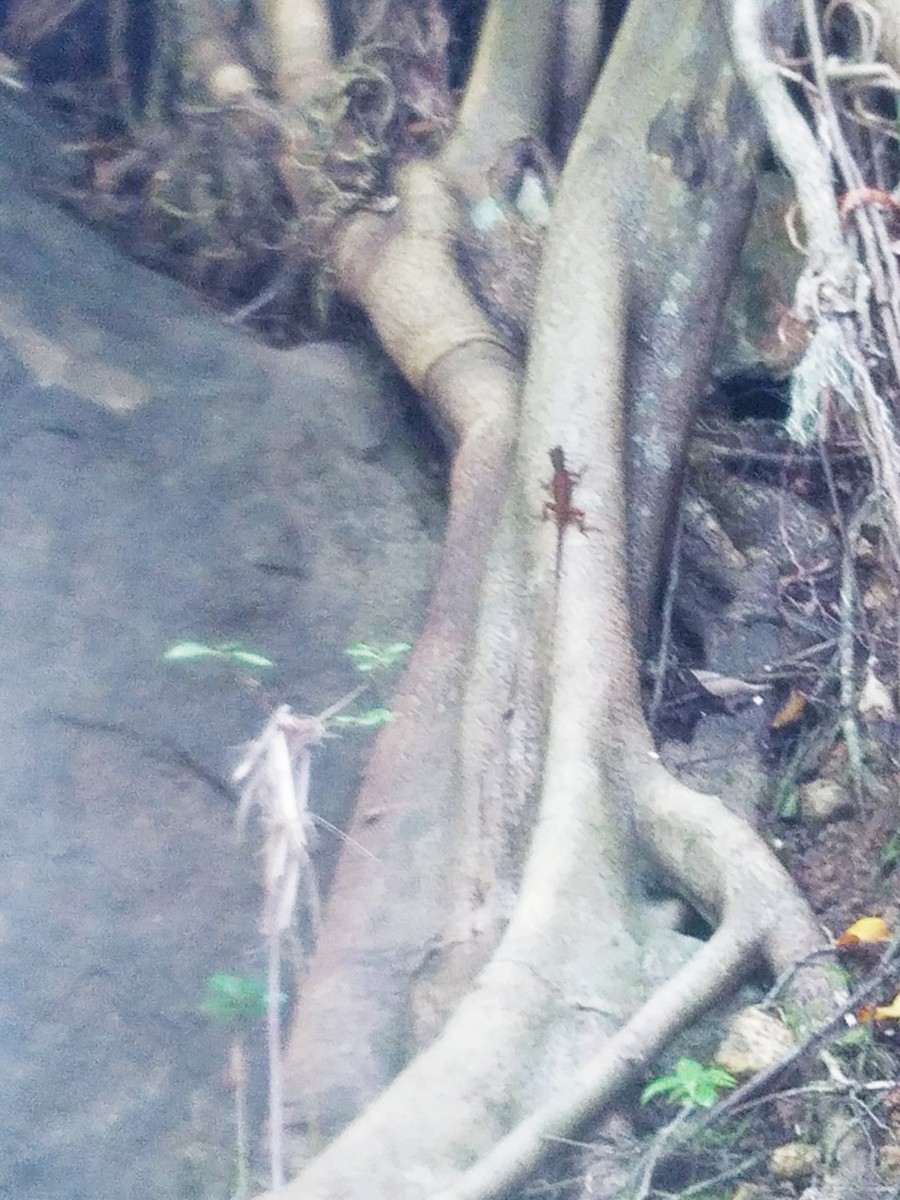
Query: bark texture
pixel 520 719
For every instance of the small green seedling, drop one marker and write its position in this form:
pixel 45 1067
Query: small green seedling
pixel 230 652
pixel 283 796
pixel 234 999
pixel 368 658
pixel 691 1085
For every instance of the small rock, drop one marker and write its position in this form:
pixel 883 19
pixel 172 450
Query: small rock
pixel 751 1191
pixel 755 1041
pixel 889 1161
pixel 795 1160
pixel 231 81
pixel 824 800
pixel 875 701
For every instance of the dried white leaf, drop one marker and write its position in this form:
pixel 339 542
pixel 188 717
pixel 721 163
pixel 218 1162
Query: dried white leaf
pixel 273 775
pixel 726 687
pixel 875 702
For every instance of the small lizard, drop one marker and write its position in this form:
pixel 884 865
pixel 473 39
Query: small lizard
pixel 560 508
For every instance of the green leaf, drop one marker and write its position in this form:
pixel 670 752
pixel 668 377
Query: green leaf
pixel 690 1084
pixel 377 658
pixel 188 651
pixel 364 657
pixel 396 650
pixel 721 1078
pixel 250 659
pixel 687 1070
pixel 659 1087
pixel 234 998
pixel 787 801
pixel 371 719
pixel 702 1093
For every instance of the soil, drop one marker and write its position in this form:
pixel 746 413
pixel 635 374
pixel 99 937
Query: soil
pixel 767 615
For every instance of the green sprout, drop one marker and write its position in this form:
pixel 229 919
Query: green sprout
pixel 690 1085
pixel 368 658
pixel 373 718
pixel 230 652
pixel 234 999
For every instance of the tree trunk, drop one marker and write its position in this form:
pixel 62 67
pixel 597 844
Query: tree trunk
pixel 519 735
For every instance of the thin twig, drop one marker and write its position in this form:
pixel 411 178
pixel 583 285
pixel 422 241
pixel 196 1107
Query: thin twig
pixel 276 1090
pixel 819 1087
pixel 238 1072
pixel 703 1187
pixel 657 1152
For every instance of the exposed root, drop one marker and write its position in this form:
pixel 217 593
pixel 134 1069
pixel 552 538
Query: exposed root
pixel 574 968
pixel 715 967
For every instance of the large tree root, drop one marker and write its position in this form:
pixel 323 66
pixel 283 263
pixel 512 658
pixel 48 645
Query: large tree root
pixel 452 1104
pixel 540 728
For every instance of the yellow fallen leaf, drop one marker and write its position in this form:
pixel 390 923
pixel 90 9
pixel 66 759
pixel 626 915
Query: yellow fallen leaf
pixel 790 712
pixel 882 1012
pixel 889 1012
pixel 867 931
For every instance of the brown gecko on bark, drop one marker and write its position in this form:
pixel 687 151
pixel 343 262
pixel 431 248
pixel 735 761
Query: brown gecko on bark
pixel 560 508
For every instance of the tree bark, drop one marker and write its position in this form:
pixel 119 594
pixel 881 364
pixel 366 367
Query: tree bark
pixel 521 708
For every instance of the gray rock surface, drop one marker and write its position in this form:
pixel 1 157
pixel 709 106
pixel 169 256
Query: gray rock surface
pixel 161 478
